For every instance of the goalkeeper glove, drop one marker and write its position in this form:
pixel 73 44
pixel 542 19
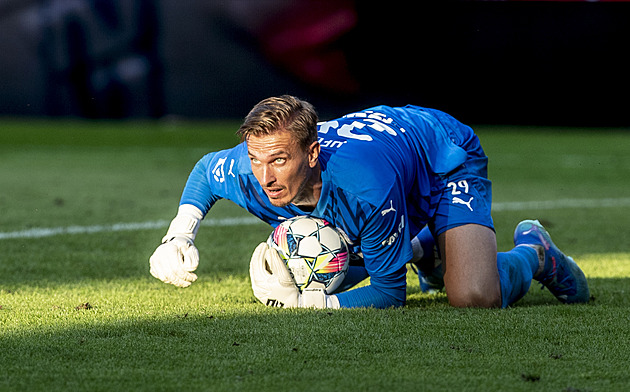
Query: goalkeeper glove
pixel 177 257
pixel 273 284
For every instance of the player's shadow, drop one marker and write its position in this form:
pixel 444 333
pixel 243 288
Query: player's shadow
pixel 536 296
pixel 417 299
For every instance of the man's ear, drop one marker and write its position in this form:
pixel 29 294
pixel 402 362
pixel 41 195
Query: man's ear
pixel 313 154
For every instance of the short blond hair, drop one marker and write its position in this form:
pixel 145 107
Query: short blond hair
pixel 281 113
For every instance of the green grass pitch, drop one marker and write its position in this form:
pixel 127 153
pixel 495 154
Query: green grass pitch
pixel 84 204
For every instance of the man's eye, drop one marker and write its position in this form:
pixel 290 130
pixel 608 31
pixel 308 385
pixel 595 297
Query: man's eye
pixel 254 160
pixel 280 160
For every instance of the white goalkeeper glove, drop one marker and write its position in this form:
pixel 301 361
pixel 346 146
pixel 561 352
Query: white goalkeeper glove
pixel 177 257
pixel 273 284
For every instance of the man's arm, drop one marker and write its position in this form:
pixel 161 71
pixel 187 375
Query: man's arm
pixel 176 258
pixel 385 248
pixel 197 191
pixel 382 292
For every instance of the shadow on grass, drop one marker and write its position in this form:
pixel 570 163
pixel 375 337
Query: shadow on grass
pixel 250 347
pixel 604 291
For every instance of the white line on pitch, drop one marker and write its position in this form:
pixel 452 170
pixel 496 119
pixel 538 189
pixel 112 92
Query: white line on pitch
pixel 160 224
pixel 244 221
pixel 561 204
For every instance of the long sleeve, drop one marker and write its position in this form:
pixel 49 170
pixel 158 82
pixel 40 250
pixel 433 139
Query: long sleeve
pixel 197 190
pixel 383 292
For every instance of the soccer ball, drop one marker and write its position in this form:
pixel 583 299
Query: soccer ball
pixel 315 252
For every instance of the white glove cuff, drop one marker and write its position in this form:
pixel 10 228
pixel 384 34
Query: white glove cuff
pixel 317 298
pixel 185 224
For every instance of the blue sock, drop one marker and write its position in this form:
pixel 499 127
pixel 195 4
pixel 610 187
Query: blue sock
pixel 516 270
pixel 425 241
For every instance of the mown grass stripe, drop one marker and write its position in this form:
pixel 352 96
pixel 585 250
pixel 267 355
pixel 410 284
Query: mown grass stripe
pixel 40 232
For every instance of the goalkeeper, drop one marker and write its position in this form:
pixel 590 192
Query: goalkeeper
pixel 381 175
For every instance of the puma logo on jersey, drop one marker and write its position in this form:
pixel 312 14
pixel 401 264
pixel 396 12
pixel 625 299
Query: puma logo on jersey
pixel 230 172
pixel 457 200
pixel 390 209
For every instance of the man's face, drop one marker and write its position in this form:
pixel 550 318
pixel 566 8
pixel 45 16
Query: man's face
pixel 283 168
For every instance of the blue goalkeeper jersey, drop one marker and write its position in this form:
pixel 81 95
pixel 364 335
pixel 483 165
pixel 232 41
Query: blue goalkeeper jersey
pixel 381 181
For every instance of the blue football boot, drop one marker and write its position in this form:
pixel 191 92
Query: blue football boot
pixel 560 274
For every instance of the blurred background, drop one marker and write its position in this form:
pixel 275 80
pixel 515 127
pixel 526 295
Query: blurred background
pixel 518 62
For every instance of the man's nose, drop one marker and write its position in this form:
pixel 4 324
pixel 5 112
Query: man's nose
pixel 268 176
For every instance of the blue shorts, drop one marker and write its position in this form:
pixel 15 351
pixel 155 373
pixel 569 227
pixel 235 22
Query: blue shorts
pixel 467 194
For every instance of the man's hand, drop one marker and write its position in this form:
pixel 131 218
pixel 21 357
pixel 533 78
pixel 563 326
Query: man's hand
pixel 177 257
pixel 174 262
pixel 272 282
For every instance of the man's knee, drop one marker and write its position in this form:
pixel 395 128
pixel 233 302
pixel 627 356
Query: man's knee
pixel 471 276
pixel 475 297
